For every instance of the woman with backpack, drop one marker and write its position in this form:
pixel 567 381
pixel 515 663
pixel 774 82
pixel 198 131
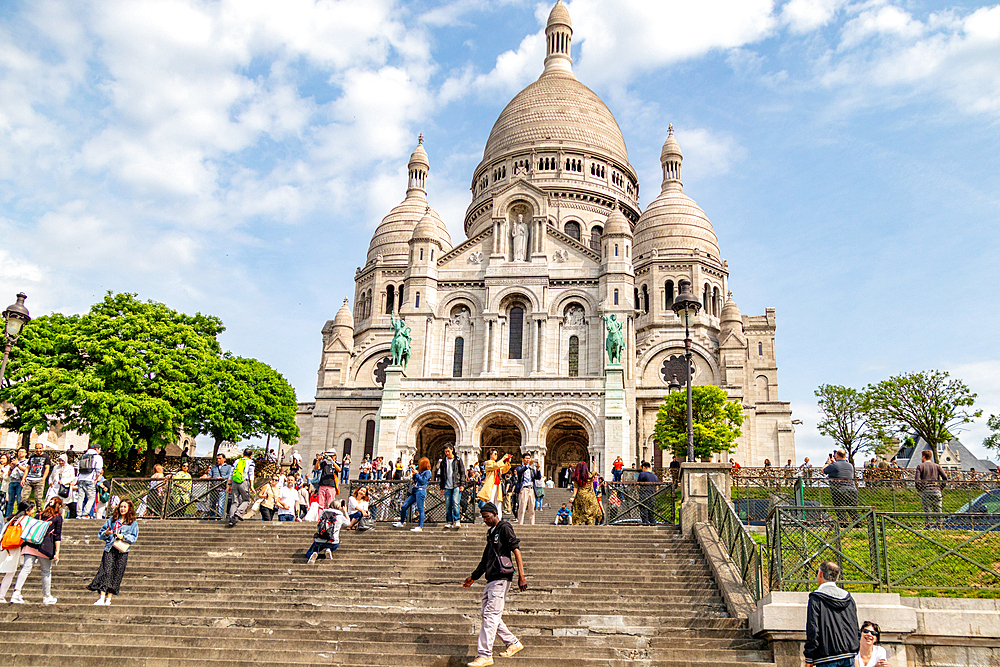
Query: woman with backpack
pixel 119 533
pixel 327 537
pixel 45 554
pixel 10 555
pixel 418 494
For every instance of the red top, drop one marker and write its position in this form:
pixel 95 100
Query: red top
pixel 618 465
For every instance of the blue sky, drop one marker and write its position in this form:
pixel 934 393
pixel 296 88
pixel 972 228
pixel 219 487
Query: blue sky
pixel 234 158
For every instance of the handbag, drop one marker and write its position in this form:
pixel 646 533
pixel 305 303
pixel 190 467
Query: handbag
pixel 366 523
pixel 33 531
pixel 504 563
pixel 121 545
pixel 64 490
pixel 12 536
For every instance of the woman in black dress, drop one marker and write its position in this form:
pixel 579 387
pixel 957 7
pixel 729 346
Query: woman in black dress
pixel 119 533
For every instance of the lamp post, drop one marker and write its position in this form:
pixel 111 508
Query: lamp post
pixel 15 317
pixel 687 306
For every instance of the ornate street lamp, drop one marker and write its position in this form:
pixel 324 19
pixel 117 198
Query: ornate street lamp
pixel 687 306
pixel 15 317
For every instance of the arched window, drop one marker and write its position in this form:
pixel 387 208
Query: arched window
pixel 572 230
pixel 416 300
pixel 616 297
pixel 595 237
pixel 637 304
pixel 616 250
pixel 368 304
pixel 716 301
pixel 516 332
pixel 421 254
pixel 459 357
pixel 763 391
pixel 704 299
pixel 760 349
pixel 645 299
pixel 390 299
pixel 370 438
pixel 668 293
pixel 347 449
pixel 574 356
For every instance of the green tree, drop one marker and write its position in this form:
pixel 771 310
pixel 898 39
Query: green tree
pixel 716 422
pixel 242 398
pixel 846 419
pixel 993 440
pixel 927 404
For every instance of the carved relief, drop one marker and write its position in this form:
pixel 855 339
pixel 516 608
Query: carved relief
pixel 468 408
pixel 574 317
pixel 404 409
pixel 560 256
pixel 534 408
pixel 476 257
pixel 461 319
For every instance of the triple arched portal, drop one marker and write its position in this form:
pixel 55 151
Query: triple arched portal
pixel 559 439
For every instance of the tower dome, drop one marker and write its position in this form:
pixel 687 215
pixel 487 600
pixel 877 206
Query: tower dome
pixel 392 236
pixel 731 319
pixel 617 224
pixel 673 221
pixel 432 228
pixel 344 317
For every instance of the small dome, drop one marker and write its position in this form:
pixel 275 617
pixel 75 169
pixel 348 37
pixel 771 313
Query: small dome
pixel 617 223
pixel 673 221
pixel 432 228
pixel 559 16
pixel 344 317
pixel 419 155
pixel 730 311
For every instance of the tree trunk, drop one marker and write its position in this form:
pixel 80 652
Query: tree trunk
pixel 218 443
pixel 147 465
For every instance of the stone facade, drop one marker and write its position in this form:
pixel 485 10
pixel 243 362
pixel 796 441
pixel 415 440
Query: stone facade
pixel 508 326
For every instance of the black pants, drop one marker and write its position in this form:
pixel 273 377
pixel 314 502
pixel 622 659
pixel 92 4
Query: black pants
pixel 109 575
pixel 266 514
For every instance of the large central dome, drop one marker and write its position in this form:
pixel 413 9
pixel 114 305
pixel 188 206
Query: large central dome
pixel 556 109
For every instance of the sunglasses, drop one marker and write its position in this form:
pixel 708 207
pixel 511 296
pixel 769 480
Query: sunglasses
pixel 869 631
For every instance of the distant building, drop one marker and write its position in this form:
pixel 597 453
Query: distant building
pixel 951 455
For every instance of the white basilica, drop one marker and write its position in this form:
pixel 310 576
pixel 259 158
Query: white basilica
pixel 508 325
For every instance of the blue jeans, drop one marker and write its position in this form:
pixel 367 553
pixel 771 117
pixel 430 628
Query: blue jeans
pixel 88 493
pixel 616 475
pixel 321 546
pixel 416 497
pixel 538 502
pixel 13 497
pixel 452 502
pixel 345 474
pixel 286 517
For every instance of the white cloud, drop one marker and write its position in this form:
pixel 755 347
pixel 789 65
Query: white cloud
pixel 884 21
pixel 807 15
pixel 708 153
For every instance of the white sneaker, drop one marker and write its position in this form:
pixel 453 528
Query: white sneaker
pixel 398 524
pixel 49 600
pixel 447 526
pixel 329 554
pixel 458 524
pixel 99 603
pixel 312 558
pixel 107 602
pixel 418 529
pixel 16 598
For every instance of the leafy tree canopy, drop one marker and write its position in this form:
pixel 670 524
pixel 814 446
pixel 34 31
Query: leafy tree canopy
pixel 128 373
pixel 928 404
pixel 993 440
pixel 716 422
pixel 845 419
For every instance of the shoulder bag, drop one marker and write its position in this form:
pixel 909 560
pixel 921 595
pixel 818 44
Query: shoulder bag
pixel 504 563
pixel 121 545
pixel 33 531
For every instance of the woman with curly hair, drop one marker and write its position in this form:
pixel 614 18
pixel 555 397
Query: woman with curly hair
pixel 417 496
pixel 585 507
pixel 119 533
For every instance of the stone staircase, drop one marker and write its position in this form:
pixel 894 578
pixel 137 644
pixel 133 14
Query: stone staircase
pixel 199 594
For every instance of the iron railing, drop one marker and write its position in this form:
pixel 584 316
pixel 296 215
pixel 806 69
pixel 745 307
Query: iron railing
pixel 641 503
pixel 168 498
pixel 743 551
pixel 885 551
pixel 386 498
pixel 756 491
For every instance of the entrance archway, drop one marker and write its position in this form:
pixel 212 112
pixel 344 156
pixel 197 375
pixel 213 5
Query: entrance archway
pixel 566 444
pixel 501 432
pixel 433 434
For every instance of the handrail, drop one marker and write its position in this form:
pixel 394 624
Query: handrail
pixel 741 548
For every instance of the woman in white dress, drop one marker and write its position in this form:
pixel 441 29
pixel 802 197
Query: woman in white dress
pixel 871 653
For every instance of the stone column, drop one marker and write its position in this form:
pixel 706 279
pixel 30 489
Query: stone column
pixel 695 478
pixel 388 422
pixel 615 437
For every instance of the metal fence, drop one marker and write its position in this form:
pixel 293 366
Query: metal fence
pixel 645 503
pixel 756 491
pixel 386 498
pixel 885 551
pixel 168 498
pixel 743 551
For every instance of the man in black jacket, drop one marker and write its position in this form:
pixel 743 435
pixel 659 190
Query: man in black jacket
pixel 832 638
pixel 526 477
pixel 451 472
pixel 500 542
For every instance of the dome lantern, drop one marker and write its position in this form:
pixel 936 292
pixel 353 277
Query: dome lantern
pixel 558 40
pixel 418 168
pixel 671 158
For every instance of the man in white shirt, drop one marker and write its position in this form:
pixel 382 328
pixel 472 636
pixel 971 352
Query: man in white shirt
pixel 90 466
pixel 288 501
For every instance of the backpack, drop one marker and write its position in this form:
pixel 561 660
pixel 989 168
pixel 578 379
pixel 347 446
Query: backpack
pixel 239 472
pixel 12 536
pixel 324 532
pixel 86 464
